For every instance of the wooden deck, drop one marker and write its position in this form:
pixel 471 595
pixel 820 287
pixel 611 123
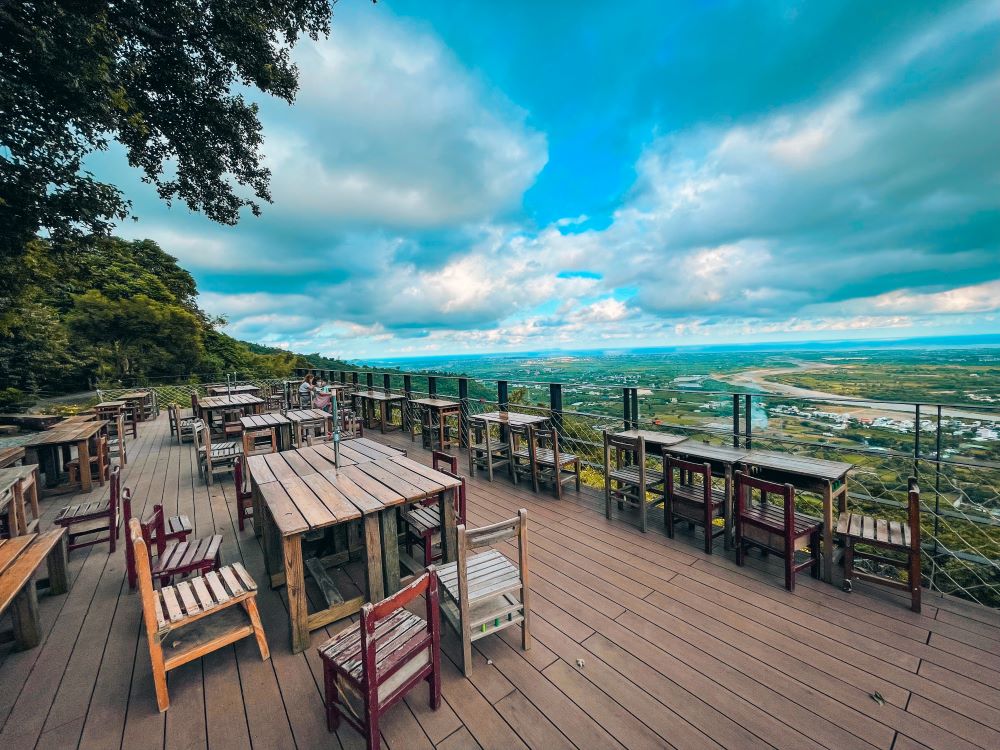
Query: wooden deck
pixel 677 650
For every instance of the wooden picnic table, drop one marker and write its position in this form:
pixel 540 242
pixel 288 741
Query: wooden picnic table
pixel 59 440
pixel 382 402
pixel 18 492
pixel 434 416
pixel 233 390
pixel 300 418
pixel 826 478
pixel 277 423
pixel 143 402
pixel 11 455
pixel 722 459
pixel 242 402
pixel 301 491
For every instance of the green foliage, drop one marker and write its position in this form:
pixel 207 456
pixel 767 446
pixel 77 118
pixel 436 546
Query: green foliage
pixel 113 311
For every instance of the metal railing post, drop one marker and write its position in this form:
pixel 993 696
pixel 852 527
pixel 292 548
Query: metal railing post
pixel 736 420
pixel 747 403
pixel 503 400
pixel 463 412
pixel 432 386
pixel 556 406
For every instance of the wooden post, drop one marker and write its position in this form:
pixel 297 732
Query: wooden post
pixel 463 413
pixel 386 382
pixel 370 377
pixel 432 386
pixel 407 416
pixel 354 378
pixel 343 376
pixel 626 408
pixel 555 409
pixel 635 408
pixel 503 400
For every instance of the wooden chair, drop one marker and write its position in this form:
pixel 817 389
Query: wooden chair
pixel 370 666
pixel 551 465
pixel 93 518
pixel 626 478
pixel 487 452
pixel 178 558
pixel 699 503
pixel 175 529
pixel 485 593
pixel 521 450
pixel 274 397
pixel 130 414
pixel 195 617
pixel 423 521
pixel 99 463
pixel 894 536
pixel 260 442
pixel 244 497
pixel 213 457
pixel 181 428
pixel 232 427
pixel 350 423
pixel 116 440
pixel 774 528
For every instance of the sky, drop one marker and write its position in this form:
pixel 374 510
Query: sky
pixel 477 177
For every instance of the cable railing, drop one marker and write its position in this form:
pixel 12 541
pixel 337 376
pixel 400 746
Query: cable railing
pixel 953 448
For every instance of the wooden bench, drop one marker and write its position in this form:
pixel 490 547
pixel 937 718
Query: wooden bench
pixel 20 558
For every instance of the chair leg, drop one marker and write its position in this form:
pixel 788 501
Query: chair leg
pixel 914 578
pixel 577 469
pixel 330 698
pixel 258 630
pixel 814 549
pixel 466 651
pixel 112 532
pixel 848 564
pixel 371 729
pixel 642 509
pixel 240 512
pixel 428 549
pixel 708 529
pixel 790 568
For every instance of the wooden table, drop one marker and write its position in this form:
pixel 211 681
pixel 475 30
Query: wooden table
pixel 11 455
pixel 827 478
pixel 299 418
pixel 654 438
pixel 301 491
pixel 242 402
pixel 509 417
pixel 370 400
pixel 49 443
pixel 143 402
pixel 437 411
pixel 278 424
pixel 115 406
pixel 234 390
pixel 722 459
pixel 18 492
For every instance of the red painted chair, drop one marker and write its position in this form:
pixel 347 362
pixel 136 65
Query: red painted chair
pixel 93 518
pixel 370 666
pixel 176 529
pixel 423 521
pixel 244 497
pixel 775 528
pixel 176 558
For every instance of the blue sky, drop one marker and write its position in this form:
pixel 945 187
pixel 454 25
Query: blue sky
pixel 464 177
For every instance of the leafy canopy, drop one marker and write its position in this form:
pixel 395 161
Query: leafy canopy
pixel 162 77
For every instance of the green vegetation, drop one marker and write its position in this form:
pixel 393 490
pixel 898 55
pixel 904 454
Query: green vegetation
pixel 113 311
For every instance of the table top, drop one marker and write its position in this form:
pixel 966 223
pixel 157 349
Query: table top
pixel 696 449
pixel 110 405
pixel 436 403
pixel 10 454
pixel 71 433
pixel 224 390
pixel 132 395
pixel 78 419
pixel 652 437
pixel 817 468
pixel 258 421
pixel 302 496
pixel 306 415
pixel 510 417
pixel 14 474
pixel 379 396
pixel 224 402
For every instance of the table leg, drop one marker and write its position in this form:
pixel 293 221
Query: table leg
pixel 828 532
pixel 390 550
pixel 449 531
pixel 295 588
pixel 383 414
pixel 257 506
pixel 20 522
pixel 727 511
pixel 83 454
pixel 50 465
pixel 441 418
pixel 373 553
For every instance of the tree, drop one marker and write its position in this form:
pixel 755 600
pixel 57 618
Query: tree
pixel 163 78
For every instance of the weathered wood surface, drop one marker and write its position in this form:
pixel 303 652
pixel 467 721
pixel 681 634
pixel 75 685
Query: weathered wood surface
pixel 679 649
